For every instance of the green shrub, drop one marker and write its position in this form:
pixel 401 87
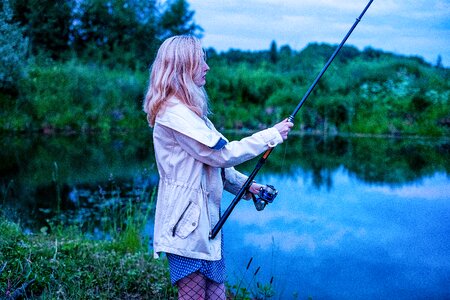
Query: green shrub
pixel 369 92
pixel 78 97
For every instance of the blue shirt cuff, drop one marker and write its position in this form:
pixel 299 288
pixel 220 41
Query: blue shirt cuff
pixel 220 144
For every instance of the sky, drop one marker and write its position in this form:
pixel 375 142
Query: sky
pixel 407 27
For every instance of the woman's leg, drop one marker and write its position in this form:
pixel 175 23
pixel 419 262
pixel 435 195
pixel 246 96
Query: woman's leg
pixel 192 287
pixel 214 290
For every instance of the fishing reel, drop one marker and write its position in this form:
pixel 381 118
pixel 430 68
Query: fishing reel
pixel 265 196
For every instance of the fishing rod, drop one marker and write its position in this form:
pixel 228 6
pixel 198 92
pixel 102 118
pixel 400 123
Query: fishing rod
pixel 267 194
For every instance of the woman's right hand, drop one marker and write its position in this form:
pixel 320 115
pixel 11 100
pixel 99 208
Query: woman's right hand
pixel 284 127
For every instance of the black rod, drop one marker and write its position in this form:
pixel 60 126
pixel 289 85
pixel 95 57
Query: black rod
pixel 262 160
pixel 330 60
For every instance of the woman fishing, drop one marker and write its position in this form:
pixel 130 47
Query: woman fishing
pixel 195 164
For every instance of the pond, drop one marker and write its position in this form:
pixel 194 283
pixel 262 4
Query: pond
pixel 355 217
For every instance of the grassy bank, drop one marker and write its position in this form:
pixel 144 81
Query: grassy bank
pixel 66 259
pixel 66 264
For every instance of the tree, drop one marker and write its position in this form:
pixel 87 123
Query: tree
pixel 114 32
pixel 286 51
pixel 118 32
pixel 177 19
pixel 13 46
pixel 46 24
pixel 439 64
pixel 273 52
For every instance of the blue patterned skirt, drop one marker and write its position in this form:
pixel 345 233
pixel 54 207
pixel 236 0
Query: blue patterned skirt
pixel 180 267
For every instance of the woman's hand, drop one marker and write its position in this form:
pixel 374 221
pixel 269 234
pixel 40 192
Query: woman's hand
pixel 284 127
pixel 253 189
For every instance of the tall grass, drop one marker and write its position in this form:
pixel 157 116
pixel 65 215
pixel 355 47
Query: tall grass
pixel 67 265
pixel 245 287
pixel 61 261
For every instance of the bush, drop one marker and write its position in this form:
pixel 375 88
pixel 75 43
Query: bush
pixel 78 97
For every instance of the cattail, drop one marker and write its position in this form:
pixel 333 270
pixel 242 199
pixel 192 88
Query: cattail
pixel 257 270
pixel 249 262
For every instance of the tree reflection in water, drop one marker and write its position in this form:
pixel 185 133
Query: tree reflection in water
pixel 340 221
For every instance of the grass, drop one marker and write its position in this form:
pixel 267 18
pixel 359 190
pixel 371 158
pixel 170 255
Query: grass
pixel 243 290
pixel 67 265
pixel 62 262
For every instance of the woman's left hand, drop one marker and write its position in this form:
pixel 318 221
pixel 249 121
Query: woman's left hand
pixel 255 187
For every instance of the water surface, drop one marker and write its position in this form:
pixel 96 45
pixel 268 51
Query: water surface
pixel 355 218
pixel 354 240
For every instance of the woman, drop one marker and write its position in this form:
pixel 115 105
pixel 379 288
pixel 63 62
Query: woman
pixel 195 163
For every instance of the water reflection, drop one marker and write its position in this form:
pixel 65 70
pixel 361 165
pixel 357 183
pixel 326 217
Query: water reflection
pixel 355 217
pixel 41 175
pixel 358 241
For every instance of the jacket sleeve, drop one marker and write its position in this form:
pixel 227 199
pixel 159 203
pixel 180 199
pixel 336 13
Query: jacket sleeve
pixel 232 153
pixel 233 180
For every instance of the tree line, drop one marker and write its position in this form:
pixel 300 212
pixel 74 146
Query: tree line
pixel 119 32
pixel 79 65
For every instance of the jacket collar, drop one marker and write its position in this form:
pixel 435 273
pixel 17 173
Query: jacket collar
pixel 179 117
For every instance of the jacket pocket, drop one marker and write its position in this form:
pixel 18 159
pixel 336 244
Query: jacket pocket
pixel 188 221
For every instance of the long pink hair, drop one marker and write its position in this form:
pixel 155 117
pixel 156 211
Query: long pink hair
pixel 178 60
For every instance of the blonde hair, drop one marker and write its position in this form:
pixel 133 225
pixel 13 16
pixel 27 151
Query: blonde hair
pixel 178 60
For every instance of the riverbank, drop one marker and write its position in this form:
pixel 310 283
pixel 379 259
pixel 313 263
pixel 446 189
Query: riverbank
pixel 63 263
pixel 67 264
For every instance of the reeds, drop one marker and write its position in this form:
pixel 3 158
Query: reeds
pixel 249 292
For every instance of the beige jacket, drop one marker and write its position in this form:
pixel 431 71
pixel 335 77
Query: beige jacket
pixel 190 154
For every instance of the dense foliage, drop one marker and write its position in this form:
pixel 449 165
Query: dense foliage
pixel 13 47
pixel 87 69
pixel 366 91
pixel 115 33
